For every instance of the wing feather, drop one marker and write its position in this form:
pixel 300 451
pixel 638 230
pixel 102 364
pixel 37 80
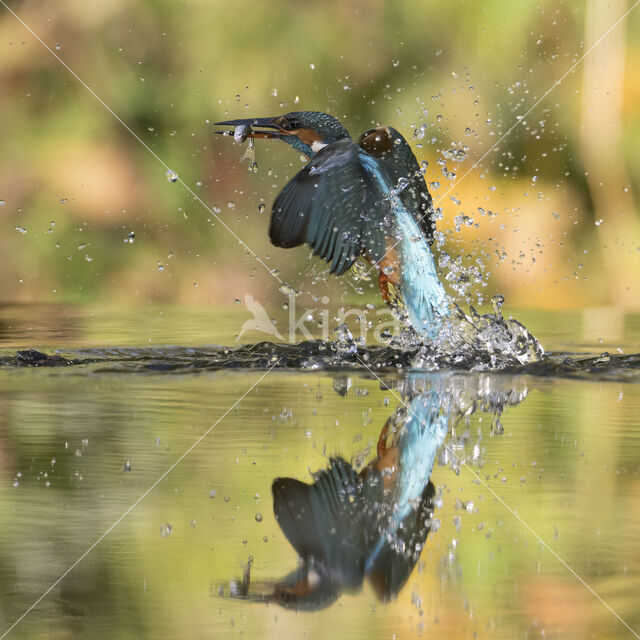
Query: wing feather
pixel 334 205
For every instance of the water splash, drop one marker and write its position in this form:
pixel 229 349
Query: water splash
pixel 345 355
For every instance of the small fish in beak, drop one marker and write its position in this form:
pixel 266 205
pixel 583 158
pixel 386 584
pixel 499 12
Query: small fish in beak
pixel 241 133
pixel 250 154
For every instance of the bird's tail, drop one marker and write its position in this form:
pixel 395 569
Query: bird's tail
pixel 422 292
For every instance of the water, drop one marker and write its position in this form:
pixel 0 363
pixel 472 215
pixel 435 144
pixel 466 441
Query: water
pixel 196 445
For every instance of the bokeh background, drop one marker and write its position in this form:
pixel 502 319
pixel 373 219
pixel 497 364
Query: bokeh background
pixel 114 254
pixel 88 215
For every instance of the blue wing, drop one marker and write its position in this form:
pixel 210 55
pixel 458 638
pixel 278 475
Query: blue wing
pixel 333 205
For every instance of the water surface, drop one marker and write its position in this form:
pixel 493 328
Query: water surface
pixel 80 445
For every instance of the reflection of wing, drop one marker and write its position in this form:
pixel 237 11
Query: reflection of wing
pixel 395 559
pixel 333 204
pixel 294 513
pixel 326 520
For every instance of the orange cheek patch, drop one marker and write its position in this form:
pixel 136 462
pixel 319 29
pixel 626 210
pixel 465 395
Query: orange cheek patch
pixel 308 136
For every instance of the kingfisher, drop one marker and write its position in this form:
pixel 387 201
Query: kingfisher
pixel 353 199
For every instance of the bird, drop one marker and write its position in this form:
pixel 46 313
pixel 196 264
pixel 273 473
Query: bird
pixel 366 198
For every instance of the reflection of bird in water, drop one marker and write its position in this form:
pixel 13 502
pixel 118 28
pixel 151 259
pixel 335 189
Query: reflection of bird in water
pixel 347 525
pixel 260 321
pixel 367 199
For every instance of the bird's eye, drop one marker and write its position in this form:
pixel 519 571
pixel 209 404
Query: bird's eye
pixel 294 123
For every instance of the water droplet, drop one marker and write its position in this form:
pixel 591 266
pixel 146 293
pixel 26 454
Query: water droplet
pixel 2 203
pixel 261 207
pixel 171 175
pixel 130 237
pixel 58 47
pixel 497 301
pixel 287 290
pixel 127 466
pixel 21 229
pixel 160 267
pixel 402 184
pixel 166 529
pixel 418 134
pixel 312 66
pixel 258 517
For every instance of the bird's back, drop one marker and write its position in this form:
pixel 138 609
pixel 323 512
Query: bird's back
pixel 391 149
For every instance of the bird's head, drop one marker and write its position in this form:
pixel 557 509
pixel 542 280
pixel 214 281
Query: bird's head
pixel 305 131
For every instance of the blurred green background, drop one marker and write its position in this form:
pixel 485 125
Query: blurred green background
pixel 552 210
pixel 551 216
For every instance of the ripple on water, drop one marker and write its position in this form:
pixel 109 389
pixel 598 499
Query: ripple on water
pixel 478 343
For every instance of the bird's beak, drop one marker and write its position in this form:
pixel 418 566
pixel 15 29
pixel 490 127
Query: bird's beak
pixel 251 124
